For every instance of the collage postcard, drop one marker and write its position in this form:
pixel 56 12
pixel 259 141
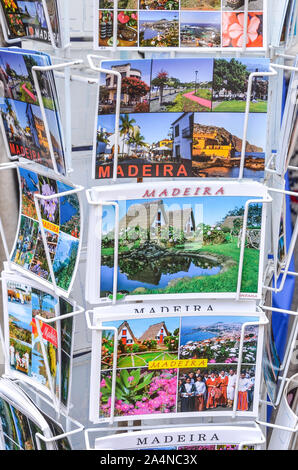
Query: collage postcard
pixel 28 19
pixel 23 300
pixel 175 240
pixel 183 358
pixel 24 126
pixel 198 106
pixel 21 420
pixel 61 223
pixel 185 24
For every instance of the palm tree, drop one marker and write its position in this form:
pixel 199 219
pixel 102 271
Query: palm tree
pixel 126 128
pixel 137 140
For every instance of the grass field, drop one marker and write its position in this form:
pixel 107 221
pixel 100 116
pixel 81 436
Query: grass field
pixel 142 359
pixel 235 106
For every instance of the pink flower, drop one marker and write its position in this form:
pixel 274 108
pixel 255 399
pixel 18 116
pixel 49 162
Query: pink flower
pixel 212 361
pixel 130 379
pixel 102 383
pixel 236 30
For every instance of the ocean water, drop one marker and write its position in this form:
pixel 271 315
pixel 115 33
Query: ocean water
pixel 190 334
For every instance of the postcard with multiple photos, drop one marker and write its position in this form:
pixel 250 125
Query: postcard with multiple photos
pixel 23 300
pixel 184 24
pixel 23 127
pixel 21 420
pixel 62 225
pixel 175 240
pixel 27 19
pixel 175 359
pixel 183 438
pixel 197 106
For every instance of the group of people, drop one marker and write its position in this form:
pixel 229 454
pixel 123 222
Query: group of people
pixel 17 361
pixel 200 391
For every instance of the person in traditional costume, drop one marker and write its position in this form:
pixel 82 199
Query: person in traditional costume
pixel 187 395
pixel 213 388
pixel 223 385
pixel 244 386
pixel 200 394
pixel 231 388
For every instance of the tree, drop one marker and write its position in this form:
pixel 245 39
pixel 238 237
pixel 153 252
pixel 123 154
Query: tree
pixel 126 127
pixel 134 87
pixel 160 81
pixel 254 218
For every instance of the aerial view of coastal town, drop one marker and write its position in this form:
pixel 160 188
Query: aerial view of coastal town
pixel 179 23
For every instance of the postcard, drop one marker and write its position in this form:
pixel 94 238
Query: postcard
pixel 61 219
pixel 27 19
pixel 189 99
pixel 175 363
pixel 23 300
pixel 174 239
pixel 172 24
pixel 24 127
pixel 21 420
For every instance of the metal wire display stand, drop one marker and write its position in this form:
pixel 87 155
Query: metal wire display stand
pixel 63 55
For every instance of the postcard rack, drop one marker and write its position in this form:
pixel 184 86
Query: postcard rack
pixel 241 435
pixel 234 431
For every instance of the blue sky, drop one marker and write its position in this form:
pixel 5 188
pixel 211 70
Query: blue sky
pixel 31 8
pixel 184 69
pixel 157 15
pixel 16 62
pixel 200 17
pixel 139 326
pixel 234 122
pixel 153 126
pixel 254 63
pixel 215 208
pixel 143 65
pixel 195 322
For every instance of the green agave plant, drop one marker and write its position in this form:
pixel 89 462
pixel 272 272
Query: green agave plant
pixel 127 390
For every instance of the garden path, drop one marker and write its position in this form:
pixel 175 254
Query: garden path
pixel 197 99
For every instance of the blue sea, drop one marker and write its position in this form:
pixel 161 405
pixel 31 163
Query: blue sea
pixel 189 334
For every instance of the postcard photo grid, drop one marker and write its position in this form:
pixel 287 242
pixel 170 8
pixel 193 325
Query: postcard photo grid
pixel 178 365
pixel 180 23
pixel 27 19
pixel 199 105
pixel 22 117
pixel 61 223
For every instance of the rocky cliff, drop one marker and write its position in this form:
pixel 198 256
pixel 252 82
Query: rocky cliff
pixel 224 137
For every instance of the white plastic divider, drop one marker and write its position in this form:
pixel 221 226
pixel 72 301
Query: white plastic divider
pixel 114 366
pixel 49 68
pixel 271 73
pixel 285 272
pixel 261 322
pixel 76 190
pixel 198 428
pixel 289 350
pixel 116 238
pixel 91 58
pixel 79 310
pixel 267 200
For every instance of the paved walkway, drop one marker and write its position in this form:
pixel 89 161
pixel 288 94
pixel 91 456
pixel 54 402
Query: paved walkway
pixel 197 99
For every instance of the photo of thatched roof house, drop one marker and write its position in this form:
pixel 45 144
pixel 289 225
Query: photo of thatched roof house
pixel 155 332
pixel 154 216
pixel 125 334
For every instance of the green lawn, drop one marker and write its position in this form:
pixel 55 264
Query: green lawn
pixel 222 282
pixel 144 358
pixel 239 107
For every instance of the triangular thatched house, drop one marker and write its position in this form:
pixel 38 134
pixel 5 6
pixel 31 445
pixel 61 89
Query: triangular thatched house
pixel 155 332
